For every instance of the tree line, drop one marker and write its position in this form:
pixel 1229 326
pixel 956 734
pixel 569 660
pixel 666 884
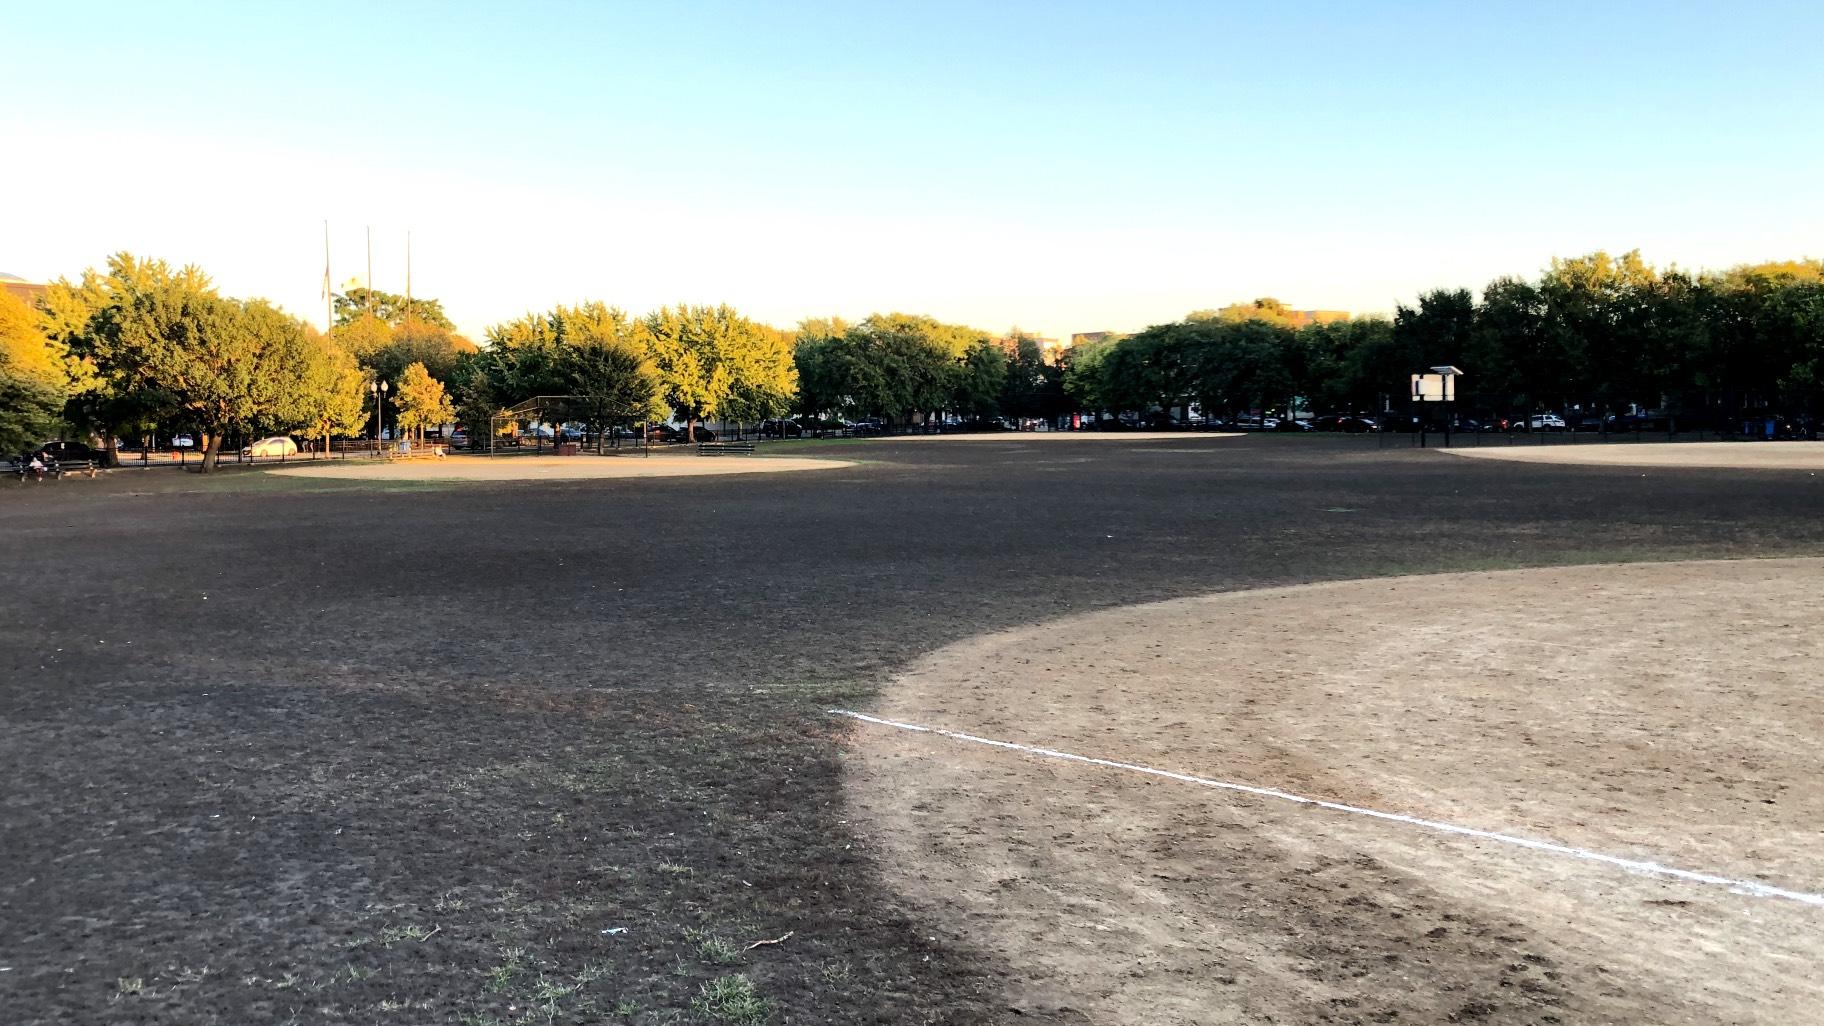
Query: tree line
pixel 1597 333
pixel 141 344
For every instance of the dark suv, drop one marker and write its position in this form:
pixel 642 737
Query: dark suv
pixel 66 452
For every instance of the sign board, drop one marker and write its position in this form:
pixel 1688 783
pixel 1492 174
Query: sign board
pixel 1434 388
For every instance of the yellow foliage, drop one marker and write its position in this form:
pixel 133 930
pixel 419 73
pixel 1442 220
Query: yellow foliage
pixel 24 349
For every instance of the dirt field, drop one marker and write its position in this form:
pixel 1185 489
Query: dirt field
pixel 554 468
pixel 1719 455
pixel 1075 436
pixel 277 749
pixel 1583 706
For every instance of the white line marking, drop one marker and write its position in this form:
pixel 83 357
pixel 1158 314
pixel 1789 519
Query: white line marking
pixel 1749 887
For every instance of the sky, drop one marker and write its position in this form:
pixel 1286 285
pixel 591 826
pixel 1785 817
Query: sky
pixel 1058 167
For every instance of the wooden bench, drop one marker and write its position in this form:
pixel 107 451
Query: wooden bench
pixel 725 448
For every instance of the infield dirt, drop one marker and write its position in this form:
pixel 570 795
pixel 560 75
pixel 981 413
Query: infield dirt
pixel 1578 705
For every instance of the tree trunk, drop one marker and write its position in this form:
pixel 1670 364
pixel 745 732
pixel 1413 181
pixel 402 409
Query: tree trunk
pixel 212 447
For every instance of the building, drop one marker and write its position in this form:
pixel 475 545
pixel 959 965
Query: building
pixel 27 292
pixel 1010 342
pixel 1303 318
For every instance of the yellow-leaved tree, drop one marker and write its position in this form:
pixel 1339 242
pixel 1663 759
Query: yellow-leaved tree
pixel 32 380
pixel 422 400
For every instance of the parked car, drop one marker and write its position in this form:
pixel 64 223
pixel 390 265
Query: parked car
pixel 459 438
pixel 64 452
pixel 869 428
pixel 183 442
pixel 781 429
pixel 1537 422
pixel 277 445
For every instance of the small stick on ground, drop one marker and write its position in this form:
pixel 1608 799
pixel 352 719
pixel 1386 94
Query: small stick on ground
pixel 776 940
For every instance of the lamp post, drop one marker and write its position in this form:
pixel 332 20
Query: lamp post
pixel 378 391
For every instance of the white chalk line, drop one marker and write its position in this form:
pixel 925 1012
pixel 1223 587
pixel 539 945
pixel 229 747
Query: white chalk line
pixel 1748 887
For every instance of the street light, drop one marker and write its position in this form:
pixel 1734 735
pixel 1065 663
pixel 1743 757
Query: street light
pixel 378 391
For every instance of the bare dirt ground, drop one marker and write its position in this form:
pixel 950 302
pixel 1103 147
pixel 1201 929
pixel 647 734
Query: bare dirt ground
pixel 1657 712
pixel 1716 455
pixel 284 750
pixel 556 468
pixel 1073 436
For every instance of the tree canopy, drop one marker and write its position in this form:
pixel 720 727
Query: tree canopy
pixel 33 381
pixel 358 302
pixel 148 342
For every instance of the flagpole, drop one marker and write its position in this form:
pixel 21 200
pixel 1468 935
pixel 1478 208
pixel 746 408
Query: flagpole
pixel 370 270
pixel 329 295
pixel 408 276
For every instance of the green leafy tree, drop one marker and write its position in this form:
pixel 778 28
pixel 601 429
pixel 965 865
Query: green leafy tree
pixel 1031 387
pixel 109 394
pixel 355 303
pixel 1084 376
pixel 323 391
pixel 713 361
pixel 981 380
pixel 1266 309
pixel 157 342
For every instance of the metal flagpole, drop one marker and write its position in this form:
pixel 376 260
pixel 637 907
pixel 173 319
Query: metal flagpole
pixel 370 269
pixel 329 296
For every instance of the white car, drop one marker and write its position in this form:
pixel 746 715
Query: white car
pixel 183 442
pixel 278 445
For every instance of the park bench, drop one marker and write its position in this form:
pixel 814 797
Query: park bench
pixel 52 468
pixel 725 448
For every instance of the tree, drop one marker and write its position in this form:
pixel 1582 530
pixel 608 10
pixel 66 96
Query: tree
pixel 30 410
pixel 421 399
pixel 712 360
pixel 157 342
pixel 597 355
pixel 33 384
pixel 591 354
pixel 108 394
pixel 1265 309
pixel 203 352
pixel 364 338
pixel 326 392
pixel 1032 388
pixel 981 380
pixel 356 303
pixel 1083 378
pixel 613 382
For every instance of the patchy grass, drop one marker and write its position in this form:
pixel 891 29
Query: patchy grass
pixel 712 948
pixel 732 1000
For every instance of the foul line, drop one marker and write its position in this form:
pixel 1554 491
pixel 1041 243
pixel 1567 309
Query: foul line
pixel 1749 887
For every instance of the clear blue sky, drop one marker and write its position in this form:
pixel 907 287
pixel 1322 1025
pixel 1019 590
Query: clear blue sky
pixel 1062 167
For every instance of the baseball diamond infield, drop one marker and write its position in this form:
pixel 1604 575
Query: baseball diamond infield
pixel 1663 713
pixel 1713 455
